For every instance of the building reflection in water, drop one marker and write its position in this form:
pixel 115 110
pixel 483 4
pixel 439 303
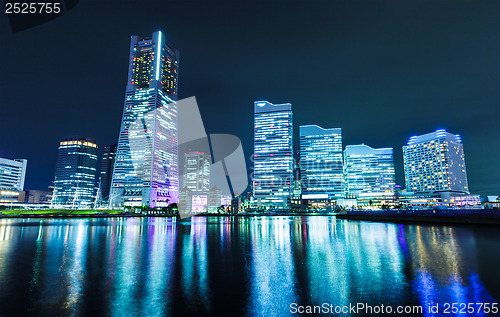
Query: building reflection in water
pixel 351 262
pixel 194 263
pixel 443 260
pixel 144 267
pixel 76 270
pixel 271 271
pixel 249 266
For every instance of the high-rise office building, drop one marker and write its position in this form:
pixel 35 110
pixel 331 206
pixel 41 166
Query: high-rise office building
pixel 12 174
pixel 196 171
pixel 369 173
pixel 74 183
pixel 146 165
pixel 321 170
pixel 107 164
pixel 434 162
pixel 273 149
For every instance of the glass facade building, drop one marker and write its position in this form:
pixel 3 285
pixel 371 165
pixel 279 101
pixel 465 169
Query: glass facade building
pixel 435 162
pixel 369 172
pixel 273 159
pixel 196 171
pixel 321 171
pixel 76 168
pixel 106 175
pixel 12 174
pixel 146 165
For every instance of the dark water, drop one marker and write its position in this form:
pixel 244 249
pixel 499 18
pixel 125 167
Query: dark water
pixel 223 266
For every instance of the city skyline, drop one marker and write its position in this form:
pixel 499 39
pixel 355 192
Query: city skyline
pixel 252 158
pixel 385 119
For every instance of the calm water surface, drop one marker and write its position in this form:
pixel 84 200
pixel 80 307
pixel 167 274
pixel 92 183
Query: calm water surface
pixel 225 266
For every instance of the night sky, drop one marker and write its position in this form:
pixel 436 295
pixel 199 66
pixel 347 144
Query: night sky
pixel 381 71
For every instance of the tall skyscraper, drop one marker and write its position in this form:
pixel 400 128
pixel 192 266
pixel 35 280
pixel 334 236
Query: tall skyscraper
pixel 196 171
pixel 146 165
pixel 75 180
pixel 273 149
pixel 321 171
pixel 107 164
pixel 12 174
pixel 369 173
pixel 434 162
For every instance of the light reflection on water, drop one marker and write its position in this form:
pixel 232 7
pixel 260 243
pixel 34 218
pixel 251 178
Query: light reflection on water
pixel 253 266
pixel 271 271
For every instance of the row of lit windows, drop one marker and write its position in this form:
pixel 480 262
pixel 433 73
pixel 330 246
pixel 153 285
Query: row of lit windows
pixel 84 143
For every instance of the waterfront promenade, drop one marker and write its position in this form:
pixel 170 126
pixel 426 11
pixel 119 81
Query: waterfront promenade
pixel 465 217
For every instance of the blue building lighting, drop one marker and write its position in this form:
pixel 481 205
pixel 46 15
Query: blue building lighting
pixel 273 159
pixel 435 162
pixel 321 162
pixel 74 183
pixel 369 173
pixel 146 165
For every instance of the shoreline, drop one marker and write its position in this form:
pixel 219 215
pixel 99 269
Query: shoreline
pixel 440 218
pixel 431 219
pixel 69 216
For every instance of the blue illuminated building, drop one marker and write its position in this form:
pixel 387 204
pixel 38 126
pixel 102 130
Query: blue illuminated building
pixel 369 173
pixel 146 164
pixel 74 183
pixel 435 162
pixel 321 162
pixel 273 159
